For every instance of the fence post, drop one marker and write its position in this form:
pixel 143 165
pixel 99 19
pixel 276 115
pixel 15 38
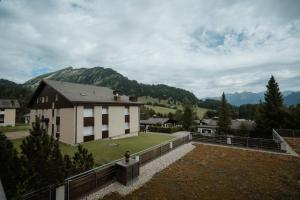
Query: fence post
pixel 171 145
pixel 60 192
pixel 96 181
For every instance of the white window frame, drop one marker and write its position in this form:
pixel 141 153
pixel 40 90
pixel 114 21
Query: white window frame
pixel 104 127
pixel 104 110
pixel 57 112
pixel 88 112
pixel 57 128
pixel 88 130
pixel 126 111
pixel 127 125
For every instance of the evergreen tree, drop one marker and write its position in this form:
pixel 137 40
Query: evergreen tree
pixel 271 112
pixel 10 168
pixel 82 160
pixel 41 158
pixel 187 118
pixel 224 121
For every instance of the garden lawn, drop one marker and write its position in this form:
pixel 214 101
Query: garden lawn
pixel 105 151
pixel 18 127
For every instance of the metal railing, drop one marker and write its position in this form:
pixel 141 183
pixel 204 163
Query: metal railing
pixel 257 143
pixel 288 133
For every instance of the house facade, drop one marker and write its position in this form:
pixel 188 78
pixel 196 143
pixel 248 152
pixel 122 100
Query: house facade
pixel 79 113
pixel 209 127
pixel 8 112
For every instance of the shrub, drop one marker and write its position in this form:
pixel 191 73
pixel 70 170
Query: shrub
pixel 164 129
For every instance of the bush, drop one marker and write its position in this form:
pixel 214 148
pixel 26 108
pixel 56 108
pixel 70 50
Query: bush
pixel 164 130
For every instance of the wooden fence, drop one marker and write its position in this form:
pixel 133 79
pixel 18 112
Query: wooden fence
pixel 81 184
pixel 257 143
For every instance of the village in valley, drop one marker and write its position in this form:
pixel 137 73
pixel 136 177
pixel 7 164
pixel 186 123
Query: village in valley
pixel 149 132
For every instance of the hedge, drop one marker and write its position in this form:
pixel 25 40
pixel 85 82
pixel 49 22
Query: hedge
pixel 164 129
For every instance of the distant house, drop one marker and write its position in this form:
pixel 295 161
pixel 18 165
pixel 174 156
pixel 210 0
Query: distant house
pixel 78 113
pixel 8 112
pixel 209 126
pixel 26 118
pixel 163 122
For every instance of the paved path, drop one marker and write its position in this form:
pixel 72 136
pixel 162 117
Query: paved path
pixel 146 173
pixel 16 134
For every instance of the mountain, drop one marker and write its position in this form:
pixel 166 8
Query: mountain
pixel 109 78
pixel 292 99
pixel 241 98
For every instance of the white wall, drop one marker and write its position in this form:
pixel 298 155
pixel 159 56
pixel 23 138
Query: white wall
pixel 134 123
pixel 116 121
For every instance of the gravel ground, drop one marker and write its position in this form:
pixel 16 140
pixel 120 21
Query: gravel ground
pixel 146 173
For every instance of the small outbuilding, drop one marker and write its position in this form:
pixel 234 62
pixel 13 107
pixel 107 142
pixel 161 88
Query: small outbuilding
pixel 8 109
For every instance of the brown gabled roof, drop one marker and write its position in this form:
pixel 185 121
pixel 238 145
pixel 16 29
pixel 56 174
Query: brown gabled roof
pixel 9 103
pixel 82 93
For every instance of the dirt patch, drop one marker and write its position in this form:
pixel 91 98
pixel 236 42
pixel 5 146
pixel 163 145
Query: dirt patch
pixel 294 143
pixel 210 172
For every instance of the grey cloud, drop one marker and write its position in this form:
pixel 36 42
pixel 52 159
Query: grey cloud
pixel 203 46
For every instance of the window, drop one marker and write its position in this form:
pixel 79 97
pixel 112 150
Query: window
pixel 1 118
pixel 104 127
pixel 104 110
pixel 56 97
pixel 37 100
pixel 88 130
pixel 42 99
pixel 126 125
pixel 46 99
pixel 57 112
pixel 57 128
pixel 126 111
pixel 88 112
pixel 2 111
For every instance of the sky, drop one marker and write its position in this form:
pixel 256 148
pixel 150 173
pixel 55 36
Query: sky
pixel 206 47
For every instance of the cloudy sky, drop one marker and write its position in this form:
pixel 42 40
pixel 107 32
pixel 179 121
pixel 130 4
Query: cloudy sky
pixel 203 46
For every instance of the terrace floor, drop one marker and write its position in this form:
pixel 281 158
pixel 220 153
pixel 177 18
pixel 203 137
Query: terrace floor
pixel 212 172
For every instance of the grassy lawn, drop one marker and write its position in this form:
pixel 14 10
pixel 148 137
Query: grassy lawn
pixel 18 127
pixel 210 172
pixel 104 153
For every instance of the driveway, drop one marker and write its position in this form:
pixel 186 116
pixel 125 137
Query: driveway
pixel 16 135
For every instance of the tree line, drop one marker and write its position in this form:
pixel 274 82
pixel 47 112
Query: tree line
pixel 269 114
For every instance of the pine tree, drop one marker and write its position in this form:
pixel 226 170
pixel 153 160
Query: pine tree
pixel 271 112
pixel 224 121
pixel 10 168
pixel 82 160
pixel 187 118
pixel 41 159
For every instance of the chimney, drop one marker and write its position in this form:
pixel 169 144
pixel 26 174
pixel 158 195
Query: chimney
pixel 116 96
